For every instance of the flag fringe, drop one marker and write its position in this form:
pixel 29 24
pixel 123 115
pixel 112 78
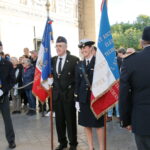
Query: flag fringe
pixel 93 101
pixel 102 113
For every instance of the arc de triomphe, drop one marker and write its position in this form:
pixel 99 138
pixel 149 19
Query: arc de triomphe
pixel 22 21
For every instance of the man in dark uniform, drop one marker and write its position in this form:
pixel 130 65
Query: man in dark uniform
pixel 6 83
pixel 134 100
pixel 120 55
pixel 63 95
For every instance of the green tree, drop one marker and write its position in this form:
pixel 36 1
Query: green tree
pixel 142 21
pixel 128 35
pixel 132 38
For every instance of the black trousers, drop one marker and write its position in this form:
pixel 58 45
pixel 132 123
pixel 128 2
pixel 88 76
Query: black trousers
pixel 142 142
pixel 5 110
pixel 66 119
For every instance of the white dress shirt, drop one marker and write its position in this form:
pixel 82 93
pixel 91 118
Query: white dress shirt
pixel 89 59
pixel 62 63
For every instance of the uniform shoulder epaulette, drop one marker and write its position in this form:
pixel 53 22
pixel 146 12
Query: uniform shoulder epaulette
pixel 129 55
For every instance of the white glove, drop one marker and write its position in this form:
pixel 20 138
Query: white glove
pixel 77 106
pixel 50 81
pixel 1 92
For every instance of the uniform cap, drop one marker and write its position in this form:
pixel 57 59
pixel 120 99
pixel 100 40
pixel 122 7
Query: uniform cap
pixel 61 39
pixel 85 42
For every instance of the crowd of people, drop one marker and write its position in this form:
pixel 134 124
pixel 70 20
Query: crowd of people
pixel 71 91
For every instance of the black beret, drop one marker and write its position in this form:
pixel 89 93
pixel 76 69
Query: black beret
pixel 61 39
pixel 1 43
pixel 146 34
pixel 85 42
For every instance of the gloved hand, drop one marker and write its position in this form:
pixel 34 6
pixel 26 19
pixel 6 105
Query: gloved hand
pixel 1 92
pixel 77 106
pixel 50 81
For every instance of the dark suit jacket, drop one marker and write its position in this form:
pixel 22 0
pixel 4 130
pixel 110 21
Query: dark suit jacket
pixel 134 101
pixel 119 61
pixel 82 88
pixel 7 75
pixel 63 85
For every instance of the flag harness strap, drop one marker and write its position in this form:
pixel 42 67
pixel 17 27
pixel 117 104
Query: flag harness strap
pixel 85 75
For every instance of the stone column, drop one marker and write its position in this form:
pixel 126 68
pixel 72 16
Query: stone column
pixel 87 24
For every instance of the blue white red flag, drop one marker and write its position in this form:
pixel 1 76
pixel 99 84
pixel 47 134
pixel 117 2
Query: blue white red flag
pixel 43 65
pixel 105 87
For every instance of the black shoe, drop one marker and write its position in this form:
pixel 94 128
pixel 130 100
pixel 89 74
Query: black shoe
pixel 72 148
pixel 12 145
pixel 31 113
pixel 18 112
pixel 14 112
pixel 61 147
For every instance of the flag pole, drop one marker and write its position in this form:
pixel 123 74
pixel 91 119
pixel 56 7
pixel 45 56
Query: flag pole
pixel 51 107
pixel 105 117
pixel 105 131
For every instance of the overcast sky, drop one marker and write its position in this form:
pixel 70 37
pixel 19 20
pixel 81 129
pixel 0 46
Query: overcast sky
pixel 127 10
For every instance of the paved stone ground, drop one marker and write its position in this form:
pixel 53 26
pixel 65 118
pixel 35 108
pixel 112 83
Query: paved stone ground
pixel 33 133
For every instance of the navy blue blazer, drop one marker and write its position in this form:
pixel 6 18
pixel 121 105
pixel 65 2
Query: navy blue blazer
pixel 134 99
pixel 82 88
pixel 7 76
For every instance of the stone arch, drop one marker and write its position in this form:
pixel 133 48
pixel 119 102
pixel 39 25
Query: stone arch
pixel 87 22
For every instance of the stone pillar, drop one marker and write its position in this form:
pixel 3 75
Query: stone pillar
pixel 87 24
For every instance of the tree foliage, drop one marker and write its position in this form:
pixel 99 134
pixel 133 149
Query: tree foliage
pixel 128 35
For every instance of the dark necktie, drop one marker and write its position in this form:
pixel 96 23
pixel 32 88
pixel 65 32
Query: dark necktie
pixel 59 65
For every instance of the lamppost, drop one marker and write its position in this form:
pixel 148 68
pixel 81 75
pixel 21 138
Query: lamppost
pixel 47 8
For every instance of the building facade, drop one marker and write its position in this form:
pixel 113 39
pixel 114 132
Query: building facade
pixel 22 23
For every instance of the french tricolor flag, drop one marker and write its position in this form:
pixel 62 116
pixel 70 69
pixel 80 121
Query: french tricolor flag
pixel 41 87
pixel 105 86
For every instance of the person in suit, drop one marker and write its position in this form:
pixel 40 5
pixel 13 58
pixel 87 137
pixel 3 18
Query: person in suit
pixel 134 99
pixel 84 77
pixel 63 95
pixel 120 56
pixel 7 81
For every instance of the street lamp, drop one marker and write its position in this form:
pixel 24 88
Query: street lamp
pixel 47 7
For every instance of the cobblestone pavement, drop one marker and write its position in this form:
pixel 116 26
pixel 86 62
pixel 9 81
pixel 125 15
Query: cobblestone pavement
pixel 33 133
